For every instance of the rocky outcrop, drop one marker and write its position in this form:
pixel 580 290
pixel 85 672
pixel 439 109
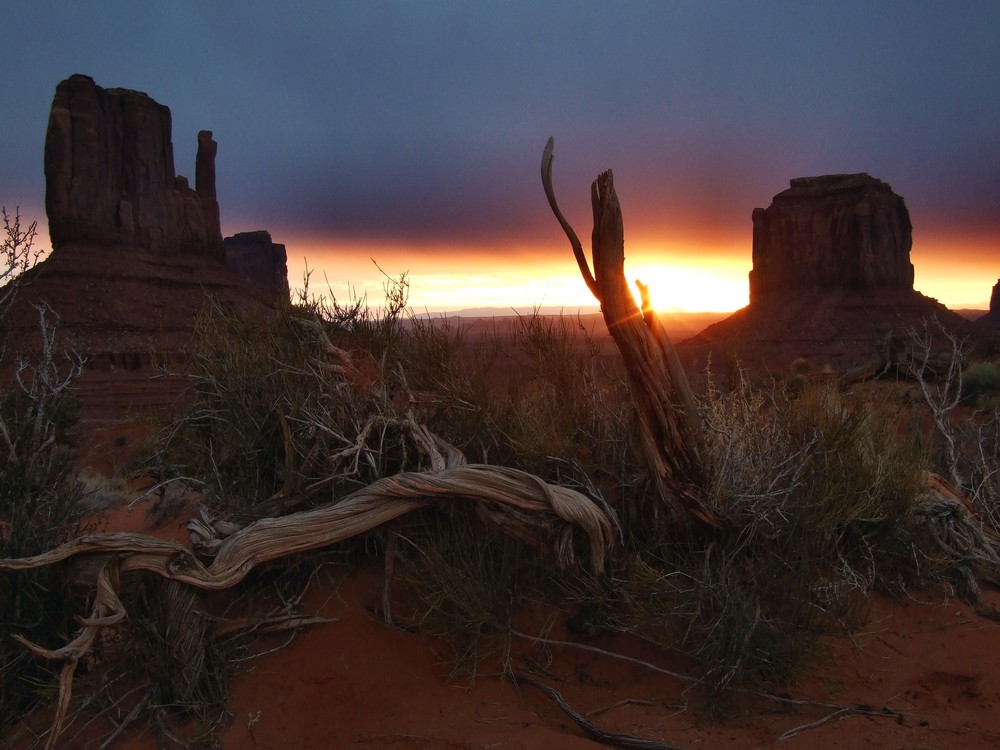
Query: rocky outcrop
pixel 136 254
pixel 256 258
pixel 831 282
pixel 832 232
pixel 992 318
pixel 110 181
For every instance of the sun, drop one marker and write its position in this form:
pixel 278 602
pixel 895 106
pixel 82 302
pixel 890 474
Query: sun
pixel 693 289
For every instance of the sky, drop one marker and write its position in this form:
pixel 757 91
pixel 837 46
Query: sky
pixel 394 137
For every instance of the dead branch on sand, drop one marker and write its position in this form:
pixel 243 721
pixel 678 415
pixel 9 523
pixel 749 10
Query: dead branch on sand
pixel 517 503
pixel 605 737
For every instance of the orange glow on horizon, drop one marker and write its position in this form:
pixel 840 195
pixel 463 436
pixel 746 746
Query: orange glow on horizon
pixel 958 269
pixel 959 272
pixel 681 279
pixel 448 279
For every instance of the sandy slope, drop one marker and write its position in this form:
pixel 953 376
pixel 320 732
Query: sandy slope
pixel 926 674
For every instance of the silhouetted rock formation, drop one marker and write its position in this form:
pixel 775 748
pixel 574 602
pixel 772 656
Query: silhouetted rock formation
pixel 839 231
pixel 992 318
pixel 136 253
pixel 831 282
pixel 109 169
pixel 255 257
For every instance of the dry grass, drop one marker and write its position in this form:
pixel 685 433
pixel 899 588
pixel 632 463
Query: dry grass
pixel 40 506
pixel 816 486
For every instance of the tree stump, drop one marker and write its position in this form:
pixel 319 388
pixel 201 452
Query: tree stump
pixel 670 429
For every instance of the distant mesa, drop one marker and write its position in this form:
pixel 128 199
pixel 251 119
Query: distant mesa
pixel 831 277
pixel 136 252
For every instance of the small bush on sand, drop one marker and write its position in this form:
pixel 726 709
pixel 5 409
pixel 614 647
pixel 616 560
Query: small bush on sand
pixel 463 583
pixel 981 385
pixel 290 405
pixel 814 491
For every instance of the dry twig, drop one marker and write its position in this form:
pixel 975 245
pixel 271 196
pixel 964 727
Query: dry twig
pixel 605 737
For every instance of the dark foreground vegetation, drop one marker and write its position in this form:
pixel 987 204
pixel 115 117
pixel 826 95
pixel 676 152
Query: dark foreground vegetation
pixel 822 492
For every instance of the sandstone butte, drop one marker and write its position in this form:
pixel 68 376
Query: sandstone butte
pixel 831 279
pixel 136 252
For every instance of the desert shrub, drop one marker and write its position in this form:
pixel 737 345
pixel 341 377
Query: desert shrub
pixel 462 583
pixel 538 395
pixel 287 402
pixel 40 507
pixel 234 437
pixel 981 463
pixel 169 645
pixel 981 384
pixel 988 345
pixel 813 489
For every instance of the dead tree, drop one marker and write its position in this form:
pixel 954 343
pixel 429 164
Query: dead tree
pixel 670 430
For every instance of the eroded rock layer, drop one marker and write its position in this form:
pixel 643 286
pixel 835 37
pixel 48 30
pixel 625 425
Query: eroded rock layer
pixel 832 232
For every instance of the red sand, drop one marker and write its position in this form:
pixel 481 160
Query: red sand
pixel 359 682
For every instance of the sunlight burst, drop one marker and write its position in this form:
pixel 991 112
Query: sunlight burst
pixel 686 289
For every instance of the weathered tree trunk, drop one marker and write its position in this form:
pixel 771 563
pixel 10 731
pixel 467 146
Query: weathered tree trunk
pixel 670 430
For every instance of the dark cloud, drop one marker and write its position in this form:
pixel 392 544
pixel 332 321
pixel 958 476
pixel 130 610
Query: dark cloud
pixel 427 119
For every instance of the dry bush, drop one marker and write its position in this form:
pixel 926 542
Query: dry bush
pixel 814 488
pixel 981 385
pixel 960 398
pixel 534 394
pixel 40 499
pixel 290 405
pixel 40 507
pixel 462 583
pixel 17 253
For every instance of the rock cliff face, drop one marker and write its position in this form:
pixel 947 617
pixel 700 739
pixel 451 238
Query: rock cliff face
pixel 256 258
pixel 833 232
pixel 110 181
pixel 992 318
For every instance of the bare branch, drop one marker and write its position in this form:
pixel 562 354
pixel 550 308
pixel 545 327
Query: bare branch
pixel 574 241
pixel 17 252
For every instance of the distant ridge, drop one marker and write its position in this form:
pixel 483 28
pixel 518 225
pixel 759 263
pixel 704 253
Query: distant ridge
pixel 502 312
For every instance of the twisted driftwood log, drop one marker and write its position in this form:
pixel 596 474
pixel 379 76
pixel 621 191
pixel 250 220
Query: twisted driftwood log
pixel 670 430
pixel 520 504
